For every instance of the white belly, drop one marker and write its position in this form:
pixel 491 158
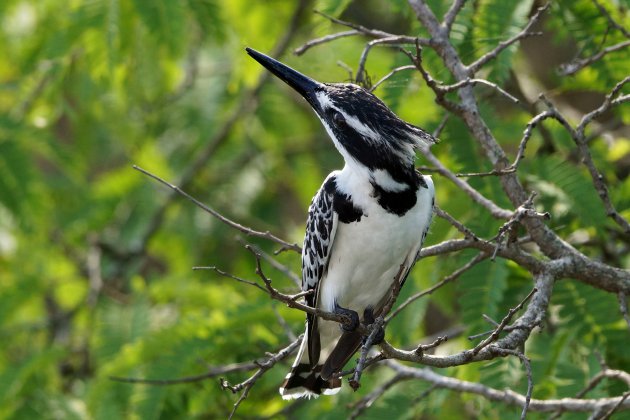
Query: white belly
pixel 366 255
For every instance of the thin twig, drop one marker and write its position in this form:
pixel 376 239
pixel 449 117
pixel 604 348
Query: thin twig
pixel 594 381
pixel 506 329
pixel 375 328
pixel 578 135
pixel 611 22
pixel 276 264
pixel 283 323
pixel 263 367
pixel 495 334
pixel 527 134
pixel 528 371
pixel 374 32
pixel 438 130
pixel 361 79
pixel 328 38
pixel 440 94
pixel 506 396
pixel 451 14
pixel 615 407
pixel 215 371
pixel 569 69
pixel 477 197
pixel 378 323
pixel 390 74
pixel 524 33
pixel 231 276
pixel 494 172
pixel 367 401
pixel 219 216
pixel 525 210
pixel 453 276
pixel 623 307
pixel 469 82
pixel 212 373
pixel 468 233
pixel 422 348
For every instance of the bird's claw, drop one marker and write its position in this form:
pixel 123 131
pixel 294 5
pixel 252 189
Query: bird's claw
pixel 368 319
pixel 354 318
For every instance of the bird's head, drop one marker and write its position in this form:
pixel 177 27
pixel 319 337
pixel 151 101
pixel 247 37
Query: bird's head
pixel 364 130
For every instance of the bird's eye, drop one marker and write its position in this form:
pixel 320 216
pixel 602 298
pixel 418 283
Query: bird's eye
pixel 339 119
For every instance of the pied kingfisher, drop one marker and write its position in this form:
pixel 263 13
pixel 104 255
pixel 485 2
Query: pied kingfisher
pixel 366 222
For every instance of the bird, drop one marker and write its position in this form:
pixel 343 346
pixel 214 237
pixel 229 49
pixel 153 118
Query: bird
pixel 365 226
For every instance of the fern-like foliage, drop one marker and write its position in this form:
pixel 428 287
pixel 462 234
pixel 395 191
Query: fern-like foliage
pixel 496 21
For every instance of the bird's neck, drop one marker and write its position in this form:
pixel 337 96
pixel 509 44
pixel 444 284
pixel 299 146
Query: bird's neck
pixel 395 192
pixel 393 179
pixel 390 180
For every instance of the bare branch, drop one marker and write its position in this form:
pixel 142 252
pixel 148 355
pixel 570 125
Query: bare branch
pixel 578 135
pixel 219 216
pixel 375 328
pixel 424 347
pixel 489 205
pixel 508 396
pixel 212 373
pixel 615 407
pixel 506 320
pixel 456 223
pixel 376 33
pixel 611 22
pixel 231 276
pixel 451 14
pixel 525 210
pixel 623 307
pixel 438 130
pixel 440 93
pixel 524 33
pixel 494 172
pixel 532 316
pixel 393 40
pixel 369 399
pixel 569 69
pixel 512 253
pixel 263 367
pixel 453 276
pixel 527 134
pixel 217 371
pixel 328 38
pixel 469 82
pixel 609 102
pixel 276 264
pixel 390 74
pixel 595 380
pixel 530 381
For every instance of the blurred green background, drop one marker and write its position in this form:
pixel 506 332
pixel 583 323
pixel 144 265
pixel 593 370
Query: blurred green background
pixel 95 258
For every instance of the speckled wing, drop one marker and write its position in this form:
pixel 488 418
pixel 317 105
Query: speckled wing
pixel 321 226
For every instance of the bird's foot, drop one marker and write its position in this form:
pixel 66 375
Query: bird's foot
pixel 368 319
pixel 354 318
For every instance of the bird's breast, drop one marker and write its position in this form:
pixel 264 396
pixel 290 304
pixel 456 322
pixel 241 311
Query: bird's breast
pixel 366 255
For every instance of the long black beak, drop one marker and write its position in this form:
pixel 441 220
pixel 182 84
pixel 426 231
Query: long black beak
pixel 302 84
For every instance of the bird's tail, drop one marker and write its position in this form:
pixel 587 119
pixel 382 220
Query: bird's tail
pixel 304 380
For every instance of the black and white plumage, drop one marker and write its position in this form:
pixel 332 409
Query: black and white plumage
pixel 366 222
